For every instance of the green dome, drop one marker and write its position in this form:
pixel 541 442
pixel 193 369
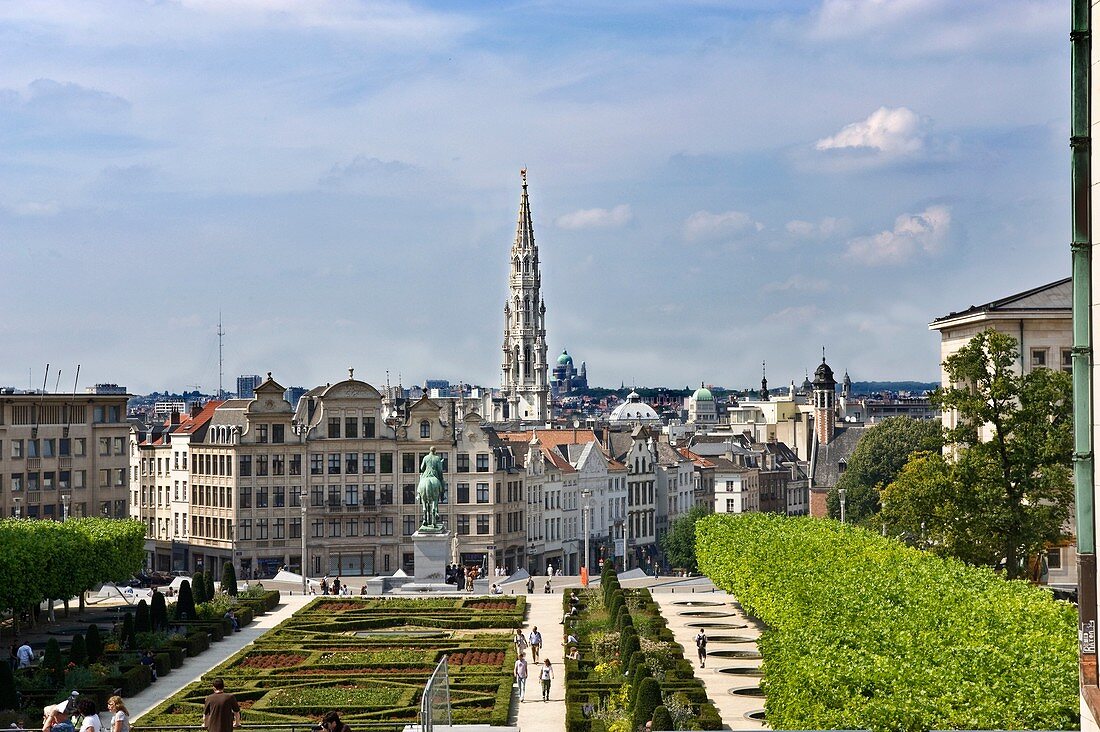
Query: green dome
pixel 702 394
pixel 564 358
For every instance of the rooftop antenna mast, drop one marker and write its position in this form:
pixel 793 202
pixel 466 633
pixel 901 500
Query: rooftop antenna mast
pixel 221 362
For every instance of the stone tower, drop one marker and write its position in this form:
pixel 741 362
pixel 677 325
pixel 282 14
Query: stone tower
pixel 524 386
pixel 824 403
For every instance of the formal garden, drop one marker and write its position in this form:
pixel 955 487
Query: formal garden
pixel 369 659
pixel 97 658
pixel 862 632
pixel 630 670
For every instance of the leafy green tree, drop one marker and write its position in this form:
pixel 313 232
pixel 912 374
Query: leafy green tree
pixel 209 589
pixel 78 651
pixel 662 720
pixel 229 579
pixel 128 638
pixel 52 662
pixel 198 587
pixel 9 699
pixel 185 605
pixel 94 642
pixel 159 611
pixel 679 542
pixel 878 458
pixel 143 621
pixel 1008 490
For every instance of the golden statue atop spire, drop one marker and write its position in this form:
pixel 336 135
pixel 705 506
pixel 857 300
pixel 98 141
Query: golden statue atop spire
pixel 523 174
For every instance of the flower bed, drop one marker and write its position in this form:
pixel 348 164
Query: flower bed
pixel 264 661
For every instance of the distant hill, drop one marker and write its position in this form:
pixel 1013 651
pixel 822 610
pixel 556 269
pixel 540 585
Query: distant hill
pixel 870 387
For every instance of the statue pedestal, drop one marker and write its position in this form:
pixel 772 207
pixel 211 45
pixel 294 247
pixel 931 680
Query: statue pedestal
pixel 431 553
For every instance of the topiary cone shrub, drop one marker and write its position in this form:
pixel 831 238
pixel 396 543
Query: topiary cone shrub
pixel 662 720
pixel 8 697
pixel 185 605
pixel 229 579
pixel 198 589
pixel 78 651
pixel 159 611
pixel 142 620
pixel 52 661
pixel 94 643
pixel 648 699
pixel 127 639
pixel 209 589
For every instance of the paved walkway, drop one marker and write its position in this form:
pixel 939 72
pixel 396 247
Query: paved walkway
pixel 194 668
pixel 545 612
pixel 676 606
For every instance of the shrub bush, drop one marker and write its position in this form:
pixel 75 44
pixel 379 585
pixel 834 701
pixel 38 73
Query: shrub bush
pixel 198 588
pixel 229 579
pixel 159 611
pixel 9 699
pixel 78 650
pixel 143 622
pixel 185 605
pixel 52 662
pixel 647 699
pixel 209 577
pixel 662 720
pixel 94 643
pixel 865 633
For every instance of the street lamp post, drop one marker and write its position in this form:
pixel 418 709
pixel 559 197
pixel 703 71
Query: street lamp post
pixel 18 508
pixel 842 491
pixel 303 495
pixel 586 495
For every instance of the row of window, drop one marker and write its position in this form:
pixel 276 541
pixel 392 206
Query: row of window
pixel 334 527
pixel 1040 358
pixel 60 447
pixel 63 479
pixel 351 427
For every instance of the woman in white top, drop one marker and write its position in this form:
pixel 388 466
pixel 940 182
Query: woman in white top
pixel 90 721
pixel 120 722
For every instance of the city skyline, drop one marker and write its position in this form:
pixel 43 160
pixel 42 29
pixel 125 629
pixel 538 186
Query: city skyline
pixel 711 185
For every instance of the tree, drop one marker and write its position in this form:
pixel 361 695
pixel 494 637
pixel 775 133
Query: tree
pixel 9 699
pixel 52 662
pixel 679 542
pixel 662 720
pixel 143 622
pixel 185 605
pixel 78 651
pixel 209 589
pixel 159 611
pixel 229 579
pixel 878 458
pixel 198 587
pixel 648 699
pixel 127 639
pixel 94 643
pixel 1007 493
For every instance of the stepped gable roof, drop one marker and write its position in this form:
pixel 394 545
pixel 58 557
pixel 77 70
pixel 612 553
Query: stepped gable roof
pixel 1054 298
pixel 826 459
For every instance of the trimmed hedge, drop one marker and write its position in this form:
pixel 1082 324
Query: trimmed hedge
pixel 865 633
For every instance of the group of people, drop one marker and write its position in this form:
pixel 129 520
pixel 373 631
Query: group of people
pixel 335 587
pixel 462 577
pixel 520 670
pixel 81 715
pixel 21 655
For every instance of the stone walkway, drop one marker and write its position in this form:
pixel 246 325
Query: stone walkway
pixel 545 612
pixel 680 609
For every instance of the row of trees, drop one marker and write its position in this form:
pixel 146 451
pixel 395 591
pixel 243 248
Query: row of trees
pixel 51 560
pixel 1002 492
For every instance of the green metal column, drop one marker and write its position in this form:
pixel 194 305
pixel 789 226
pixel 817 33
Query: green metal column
pixel 1080 43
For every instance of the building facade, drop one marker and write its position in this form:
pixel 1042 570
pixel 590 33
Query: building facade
pixel 63 454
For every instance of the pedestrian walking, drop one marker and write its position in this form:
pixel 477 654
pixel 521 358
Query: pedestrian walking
pixel 530 585
pixel 520 641
pixel 25 655
pixel 520 672
pixel 546 674
pixel 220 711
pixel 535 641
pixel 701 646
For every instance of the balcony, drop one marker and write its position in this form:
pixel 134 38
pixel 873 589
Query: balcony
pixel 64 463
pixel 34 463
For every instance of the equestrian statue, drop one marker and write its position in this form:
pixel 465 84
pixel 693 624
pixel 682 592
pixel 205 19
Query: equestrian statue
pixel 429 490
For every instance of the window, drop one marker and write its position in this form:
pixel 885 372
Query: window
pixel 425 429
pixel 261 465
pixel 483 462
pixel 80 446
pixel 463 493
pixel 278 494
pixel 47 448
pixel 351 463
pixel 296 528
pixel 316 464
pixel 334 496
pixel 351 527
pixel 333 427
pixel 118 443
pixel 278 435
pixel 317 528
pixel 1067 359
pixel 280 529
pixel 16 482
pixel 385 462
pixel 1038 358
pixel 482 492
pixel 104 447
pixel 408 524
pixel 296 496
pixel 261 498
pixel 246 497
pixel 386 495
pixel 351 496
pixel 408 494
pixel 464 523
pixel 64 447
pixel 334 463
pixel 246 466
pixel 368 427
pixel 316 495
pixel 261 433
pixel 351 427
pixel 1054 558
pixel 368 462
pixel 334 527
pixel 408 462
pixel 370 528
pixel 295 464
pixel 387 527
pixel 369 497
pixel 483 524
pixel 261 528
pixel 278 464
pixel 462 460
pixel 244 529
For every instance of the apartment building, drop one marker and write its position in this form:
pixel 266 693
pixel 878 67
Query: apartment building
pixel 63 454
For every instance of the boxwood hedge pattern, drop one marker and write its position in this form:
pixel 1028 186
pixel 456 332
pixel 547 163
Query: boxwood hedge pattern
pixel 369 660
pixel 865 633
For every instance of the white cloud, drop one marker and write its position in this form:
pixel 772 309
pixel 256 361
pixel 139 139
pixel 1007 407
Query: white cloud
pixel 704 225
pixel 894 132
pixel 922 233
pixel 596 218
pixel 825 228
pixel 797 283
pixel 36 208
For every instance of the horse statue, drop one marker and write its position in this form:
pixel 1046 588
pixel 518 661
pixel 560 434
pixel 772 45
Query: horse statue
pixel 429 490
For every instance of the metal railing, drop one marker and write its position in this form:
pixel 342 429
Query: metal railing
pixel 436 698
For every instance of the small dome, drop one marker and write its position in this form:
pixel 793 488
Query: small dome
pixel 633 410
pixel 565 358
pixel 702 394
pixel 823 376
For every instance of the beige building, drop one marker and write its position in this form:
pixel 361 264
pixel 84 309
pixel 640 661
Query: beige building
pixel 63 452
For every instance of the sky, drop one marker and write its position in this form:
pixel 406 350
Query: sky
pixel 713 184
